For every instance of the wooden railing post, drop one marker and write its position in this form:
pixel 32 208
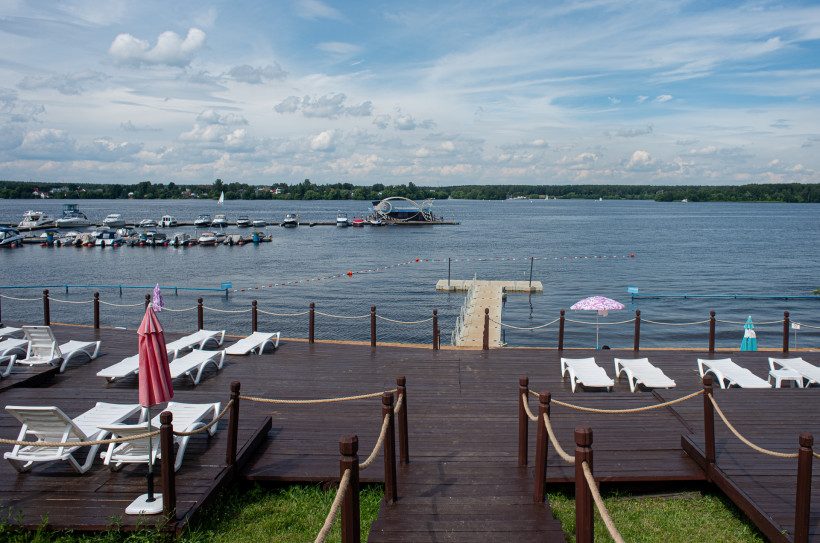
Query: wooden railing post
pixel 803 504
pixel 785 332
pixel 404 442
pixel 97 310
pixel 147 301
pixel 584 520
pixel 254 316
pixel 435 329
pixel 486 343
pixel 541 448
pixel 311 321
pixel 200 320
pixel 233 425
pixel 637 330
pixel 349 448
pixel 561 332
pixel 523 420
pixel 166 445
pixel 390 491
pixel 711 332
pixel 372 325
pixel 46 309
pixel 708 425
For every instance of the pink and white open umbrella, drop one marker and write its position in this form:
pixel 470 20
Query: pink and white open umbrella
pixel 599 304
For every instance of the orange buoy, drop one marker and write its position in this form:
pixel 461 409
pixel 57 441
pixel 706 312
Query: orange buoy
pixel 632 255
pixel 417 259
pixel 349 273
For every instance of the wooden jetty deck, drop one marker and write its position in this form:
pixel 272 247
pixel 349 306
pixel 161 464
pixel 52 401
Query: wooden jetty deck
pixel 462 407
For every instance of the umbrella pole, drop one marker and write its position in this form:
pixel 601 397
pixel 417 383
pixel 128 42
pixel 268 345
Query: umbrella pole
pixel 150 475
pixel 596 330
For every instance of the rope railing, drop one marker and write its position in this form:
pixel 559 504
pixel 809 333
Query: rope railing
pixel 744 322
pixel 344 484
pixel 315 401
pixel 807 325
pixel 177 310
pixel 674 323
pixel 403 322
pixel 226 310
pixel 71 301
pixel 128 305
pixel 342 316
pixel 524 328
pixel 20 299
pixel 283 314
pixel 599 502
pixel 600 323
pixel 746 441
pixel 561 452
pixel 622 411
pixel 379 442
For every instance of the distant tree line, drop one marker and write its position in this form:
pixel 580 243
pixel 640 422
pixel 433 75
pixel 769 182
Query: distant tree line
pixel 306 190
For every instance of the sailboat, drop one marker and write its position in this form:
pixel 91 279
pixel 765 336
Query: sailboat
pixel 221 198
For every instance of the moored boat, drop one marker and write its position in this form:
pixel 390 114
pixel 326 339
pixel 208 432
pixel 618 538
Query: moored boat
pixel 148 223
pixel 259 223
pixel 109 238
pixel 396 210
pixel 210 238
pixel 243 221
pixel 181 239
pixel 342 220
pixel 220 221
pixel 168 221
pixel 10 237
pixel 202 221
pixel 291 221
pixel 358 222
pixel 34 220
pixel 114 220
pixel 72 217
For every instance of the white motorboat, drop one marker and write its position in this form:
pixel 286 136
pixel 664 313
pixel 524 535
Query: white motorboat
pixel 243 221
pixel 34 220
pixel 167 221
pixel 108 239
pixel 181 239
pixel 259 223
pixel 210 238
pixel 114 220
pixel 10 237
pixel 72 217
pixel 375 221
pixel 291 221
pixel 202 221
pixel 342 220
pixel 148 223
pixel 126 232
pixel 220 221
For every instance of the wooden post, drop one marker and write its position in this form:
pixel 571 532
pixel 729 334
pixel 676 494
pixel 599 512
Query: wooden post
pixel 233 425
pixel 166 445
pixel 435 329
pixel 785 332
pixel 708 426
pixel 351 522
pixel 46 309
pixel 584 520
pixel 199 317
pixel 97 310
pixel 390 491
pixel 486 343
pixel 372 325
pixel 637 330
pixel 541 448
pixel 254 317
pixel 147 301
pixel 404 442
pixel 561 332
pixel 523 420
pixel 711 332
pixel 803 503
pixel 311 321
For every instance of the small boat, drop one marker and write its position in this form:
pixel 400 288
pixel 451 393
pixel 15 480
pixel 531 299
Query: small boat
pixel 291 221
pixel 167 221
pixel 10 237
pixel 220 221
pixel 157 239
pixel 72 217
pixel 108 239
pixel 358 221
pixel 202 221
pixel 259 223
pixel 114 220
pixel 148 223
pixel 342 220
pixel 126 232
pixel 181 239
pixel 375 221
pixel 34 220
pixel 221 198
pixel 210 238
pixel 243 221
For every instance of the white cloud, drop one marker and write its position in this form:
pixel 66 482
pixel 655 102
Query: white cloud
pixel 255 76
pixel 664 98
pixel 314 9
pixel 614 101
pixel 338 48
pixel 329 106
pixel 407 122
pixel 631 132
pixel 639 161
pixel 74 83
pixel 170 49
pixel 326 141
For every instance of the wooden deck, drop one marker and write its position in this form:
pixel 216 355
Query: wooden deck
pixel 463 482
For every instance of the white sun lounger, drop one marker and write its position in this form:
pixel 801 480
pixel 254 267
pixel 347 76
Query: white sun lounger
pixel 12 346
pixel 254 343
pixel 122 369
pixel 50 424
pixel 8 331
pixel 43 349
pixel 586 372
pixel 641 371
pixel 187 418
pixel 196 340
pixel 9 365
pixel 807 371
pixel 193 364
pixel 728 373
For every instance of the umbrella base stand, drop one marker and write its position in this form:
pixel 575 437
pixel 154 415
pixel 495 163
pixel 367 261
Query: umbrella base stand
pixel 141 506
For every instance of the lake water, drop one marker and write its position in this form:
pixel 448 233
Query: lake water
pixel 580 247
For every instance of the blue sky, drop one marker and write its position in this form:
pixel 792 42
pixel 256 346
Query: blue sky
pixel 438 93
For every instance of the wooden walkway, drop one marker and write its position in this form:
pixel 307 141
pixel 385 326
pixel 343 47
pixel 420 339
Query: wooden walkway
pixel 463 482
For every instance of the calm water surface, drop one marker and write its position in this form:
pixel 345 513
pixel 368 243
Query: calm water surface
pixel 694 248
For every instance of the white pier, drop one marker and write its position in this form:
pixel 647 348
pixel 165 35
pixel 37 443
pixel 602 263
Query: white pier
pixel 481 295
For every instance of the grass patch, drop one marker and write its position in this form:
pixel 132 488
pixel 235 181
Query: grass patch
pixel 684 517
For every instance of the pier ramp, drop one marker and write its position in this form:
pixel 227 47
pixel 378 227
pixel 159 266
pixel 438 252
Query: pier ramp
pixel 481 295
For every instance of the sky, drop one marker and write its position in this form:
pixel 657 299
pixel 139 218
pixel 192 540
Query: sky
pixel 437 93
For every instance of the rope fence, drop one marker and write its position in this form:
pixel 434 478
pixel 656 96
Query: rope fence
pixel 316 401
pixel 599 502
pixel 623 411
pixel 344 485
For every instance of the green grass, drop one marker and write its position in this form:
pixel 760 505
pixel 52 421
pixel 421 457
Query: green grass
pixel 296 514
